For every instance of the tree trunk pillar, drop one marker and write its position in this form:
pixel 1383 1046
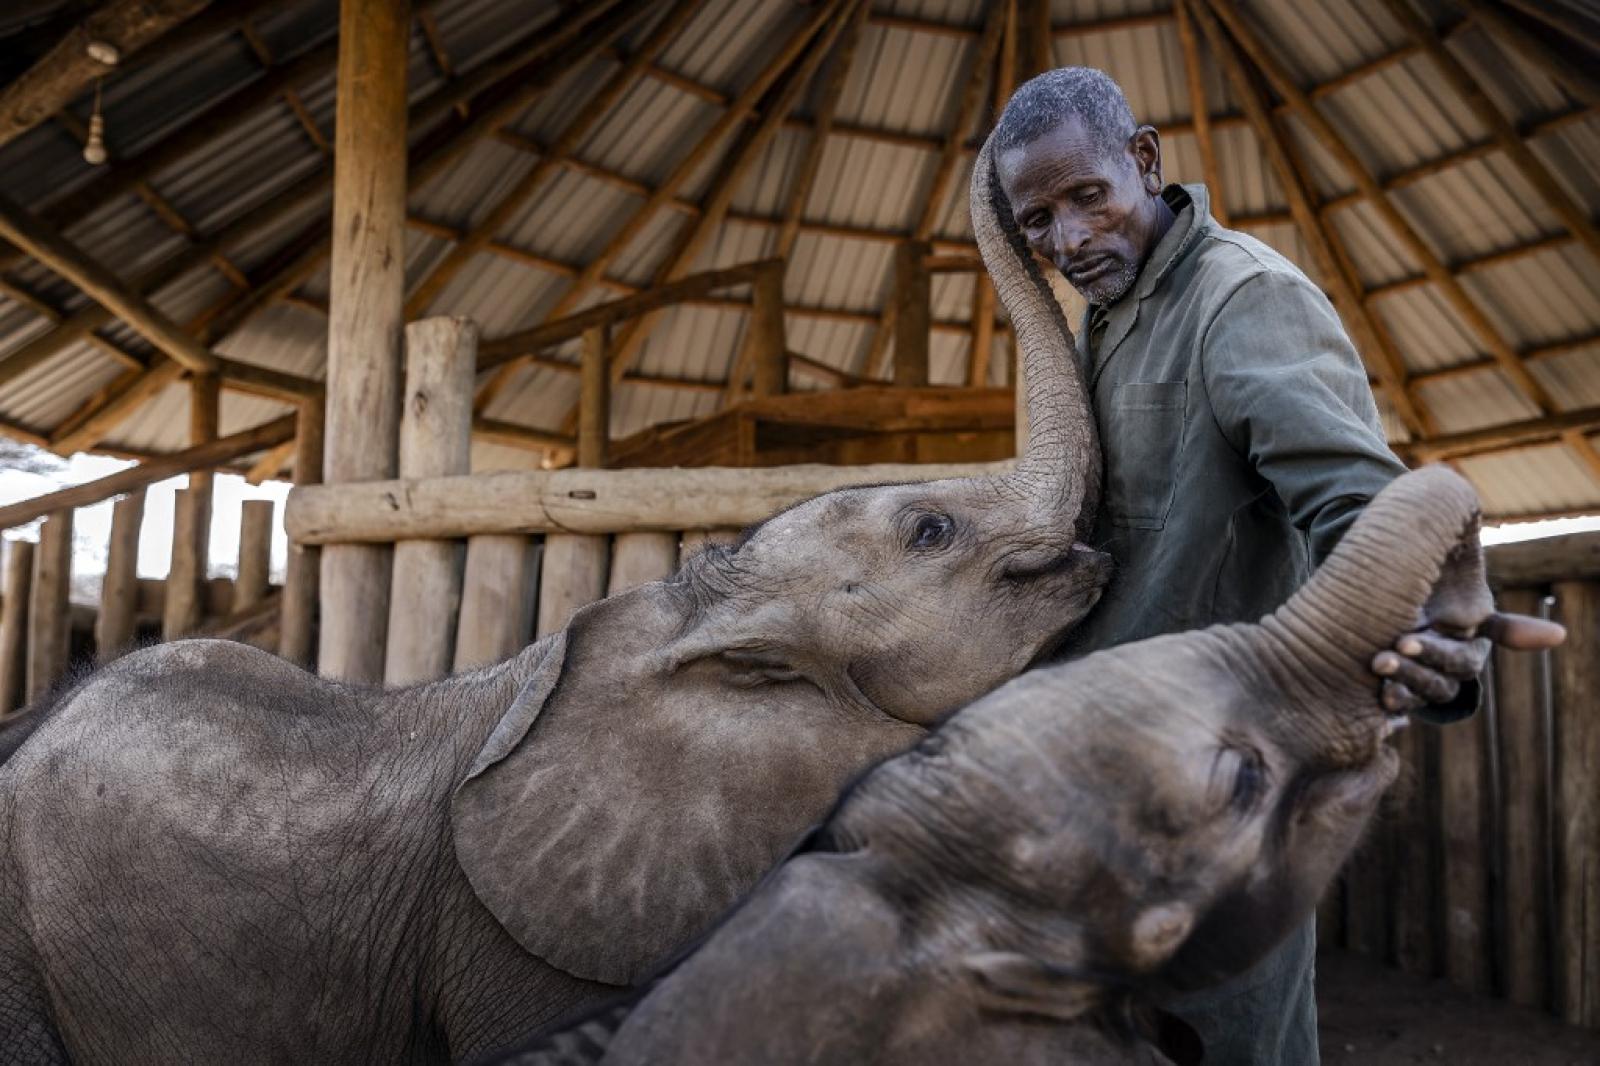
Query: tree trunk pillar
pixel 913 291
pixel 770 344
pixel 48 607
pixel 365 318
pixel 14 625
pixel 119 594
pixel 297 618
pixel 594 400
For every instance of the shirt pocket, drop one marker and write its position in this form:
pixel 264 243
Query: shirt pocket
pixel 1143 440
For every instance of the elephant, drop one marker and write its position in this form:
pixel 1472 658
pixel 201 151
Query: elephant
pixel 1081 843
pixel 211 854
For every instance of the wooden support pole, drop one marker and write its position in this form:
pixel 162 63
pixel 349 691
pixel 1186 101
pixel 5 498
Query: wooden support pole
pixel 159 468
pixel 574 574
pixel 364 321
pixel 594 401
pixel 14 625
pixel 1409 822
pixel 639 558
pixel 1524 846
pixel 1195 74
pixel 114 629
pixel 297 622
pixel 1577 801
pixel 1463 820
pixel 255 554
pixel 90 50
pixel 63 257
pixel 182 606
pixel 48 611
pixel 913 292
pixel 767 340
pixel 435 441
pixel 497 598
pixel 205 416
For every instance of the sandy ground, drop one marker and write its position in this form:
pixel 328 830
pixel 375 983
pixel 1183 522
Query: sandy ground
pixel 1376 1016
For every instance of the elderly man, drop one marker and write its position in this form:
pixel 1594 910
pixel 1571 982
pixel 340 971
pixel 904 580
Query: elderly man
pixel 1240 438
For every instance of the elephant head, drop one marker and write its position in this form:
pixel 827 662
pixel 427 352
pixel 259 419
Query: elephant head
pixel 681 736
pixel 1153 817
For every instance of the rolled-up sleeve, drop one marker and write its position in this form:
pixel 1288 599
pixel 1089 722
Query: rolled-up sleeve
pixel 1290 394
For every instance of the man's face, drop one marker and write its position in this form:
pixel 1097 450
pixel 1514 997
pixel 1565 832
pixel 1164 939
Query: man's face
pixel 1094 214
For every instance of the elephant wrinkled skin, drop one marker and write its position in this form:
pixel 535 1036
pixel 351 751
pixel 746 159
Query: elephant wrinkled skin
pixel 212 855
pixel 1078 844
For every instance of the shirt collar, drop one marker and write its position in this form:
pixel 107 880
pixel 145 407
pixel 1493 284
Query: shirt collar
pixel 1192 206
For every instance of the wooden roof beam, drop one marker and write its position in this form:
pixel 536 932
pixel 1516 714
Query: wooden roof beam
pixel 91 50
pixel 1195 75
pixel 1579 80
pixel 1455 294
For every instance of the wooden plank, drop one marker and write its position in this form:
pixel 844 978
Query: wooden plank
pixel 301 579
pixel 1409 820
pixel 87 426
pixel 580 501
pixel 207 456
pixel 639 558
pixel 594 402
pixel 435 441
pixel 1463 805
pixel 912 314
pixel 1195 75
pixel 574 574
pixel 1577 798
pixel 496 599
pixel 1539 562
pixel 1496 438
pixel 365 319
pixel 181 609
pixel 18 594
pixel 48 609
pixel 115 627
pixel 205 414
pixel 766 339
pixel 89 51
pixel 1524 846
pixel 255 554
pixel 45 244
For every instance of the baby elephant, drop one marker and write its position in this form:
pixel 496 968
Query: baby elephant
pixel 1087 838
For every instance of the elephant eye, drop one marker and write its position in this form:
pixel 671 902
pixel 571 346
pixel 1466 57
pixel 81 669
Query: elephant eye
pixel 931 531
pixel 1249 781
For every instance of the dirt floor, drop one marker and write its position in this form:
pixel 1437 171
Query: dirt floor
pixel 1376 1016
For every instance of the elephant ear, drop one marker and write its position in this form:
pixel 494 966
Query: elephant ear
pixel 620 807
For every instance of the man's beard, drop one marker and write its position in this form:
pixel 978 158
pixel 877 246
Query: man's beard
pixel 1112 287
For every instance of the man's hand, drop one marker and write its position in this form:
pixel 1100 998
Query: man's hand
pixel 1429 666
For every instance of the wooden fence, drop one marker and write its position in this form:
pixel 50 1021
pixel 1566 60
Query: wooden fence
pixel 1485 869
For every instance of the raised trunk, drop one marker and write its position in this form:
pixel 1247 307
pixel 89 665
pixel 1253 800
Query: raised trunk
pixel 1060 467
pixel 1414 548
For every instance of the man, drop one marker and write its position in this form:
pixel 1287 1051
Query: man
pixel 1240 439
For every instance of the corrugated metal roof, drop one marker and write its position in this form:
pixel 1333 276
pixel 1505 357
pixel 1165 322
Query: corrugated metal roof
pixel 904 82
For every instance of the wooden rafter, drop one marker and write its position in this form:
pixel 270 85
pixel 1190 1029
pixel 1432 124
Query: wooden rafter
pixel 291 95
pixel 1532 168
pixel 950 154
pixel 1579 80
pixel 713 138
pixel 89 51
pixel 1449 285
pixel 597 107
pixel 1348 299
pixel 1198 108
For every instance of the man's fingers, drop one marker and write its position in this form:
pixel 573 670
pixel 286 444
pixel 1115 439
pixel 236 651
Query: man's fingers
pixel 1460 659
pixel 1424 682
pixel 1397 699
pixel 1521 632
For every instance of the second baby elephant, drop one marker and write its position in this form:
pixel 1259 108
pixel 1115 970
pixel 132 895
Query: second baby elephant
pixel 212 855
pixel 1078 844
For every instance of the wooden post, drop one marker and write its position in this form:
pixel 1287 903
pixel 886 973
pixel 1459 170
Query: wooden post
pixel 767 340
pixel 573 575
pixel 48 607
pixel 913 316
pixel 497 599
pixel 205 418
pixel 594 401
pixel 14 625
pixel 255 554
pixel 1463 774
pixel 182 606
pixel 298 615
pixel 1524 844
pixel 119 594
pixel 1408 821
pixel 1577 801
pixel 364 318
pixel 639 558
pixel 435 441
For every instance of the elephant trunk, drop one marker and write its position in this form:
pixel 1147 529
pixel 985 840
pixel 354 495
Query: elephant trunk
pixel 1414 548
pixel 1059 469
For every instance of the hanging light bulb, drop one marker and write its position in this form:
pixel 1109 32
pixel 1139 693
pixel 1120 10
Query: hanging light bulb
pixel 94 149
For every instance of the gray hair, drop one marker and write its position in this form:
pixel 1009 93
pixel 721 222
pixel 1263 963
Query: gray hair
pixel 1047 100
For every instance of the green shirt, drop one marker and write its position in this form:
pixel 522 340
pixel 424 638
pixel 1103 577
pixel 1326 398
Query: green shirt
pixel 1239 432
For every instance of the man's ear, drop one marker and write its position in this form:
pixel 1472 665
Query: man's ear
pixel 1015 983
pixel 1145 144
